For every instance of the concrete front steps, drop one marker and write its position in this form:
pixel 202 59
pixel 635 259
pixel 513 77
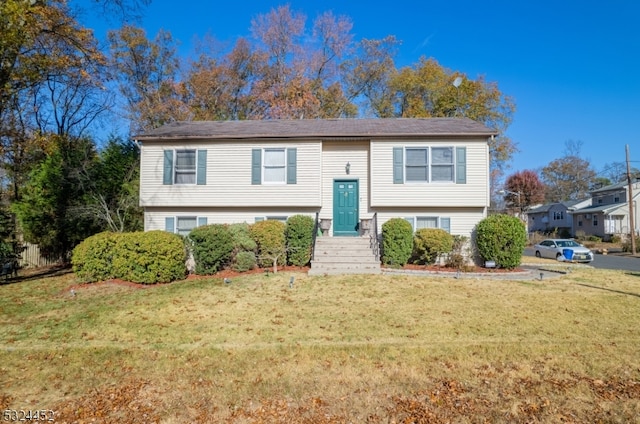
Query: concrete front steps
pixel 344 255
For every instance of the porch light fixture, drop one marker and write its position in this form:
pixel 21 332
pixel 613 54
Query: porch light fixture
pixel 347 168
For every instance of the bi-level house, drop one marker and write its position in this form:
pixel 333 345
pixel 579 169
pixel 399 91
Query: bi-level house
pixel 608 213
pixel 555 217
pixel 433 172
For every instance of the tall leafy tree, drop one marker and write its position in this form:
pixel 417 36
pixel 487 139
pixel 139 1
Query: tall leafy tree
pixel 569 177
pixel 48 211
pixel 428 90
pixel 147 74
pixel 528 189
pixel 50 81
pixel 110 185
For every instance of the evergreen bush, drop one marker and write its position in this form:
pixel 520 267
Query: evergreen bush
pixel 149 257
pixel 397 242
pixel 140 257
pixel 299 235
pixel 212 247
pixel 245 261
pixel 242 241
pixel 626 245
pixel 501 238
pixel 430 243
pixel 92 259
pixel 270 239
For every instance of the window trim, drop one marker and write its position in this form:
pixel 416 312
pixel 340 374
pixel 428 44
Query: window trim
pixel 173 222
pixel 413 220
pixel 284 165
pixel 281 218
pixel 175 170
pixel 430 165
pixel 170 169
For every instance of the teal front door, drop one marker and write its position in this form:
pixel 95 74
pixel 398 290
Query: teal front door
pixel 345 208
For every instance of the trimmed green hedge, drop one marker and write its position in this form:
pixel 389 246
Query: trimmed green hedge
pixel 501 238
pixel 92 260
pixel 212 247
pixel 430 243
pixel 141 257
pixel 269 237
pixel 299 235
pixel 397 242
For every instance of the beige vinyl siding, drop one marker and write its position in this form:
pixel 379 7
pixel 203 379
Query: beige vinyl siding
pixel 154 218
pixel 384 193
pixel 229 176
pixel 463 220
pixel 335 156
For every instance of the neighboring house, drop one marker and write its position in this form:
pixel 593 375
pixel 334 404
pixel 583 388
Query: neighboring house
pixel 608 213
pixel 433 172
pixel 554 216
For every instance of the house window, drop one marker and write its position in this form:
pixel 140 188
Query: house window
pixel 184 224
pixel 417 165
pixel 272 218
pixel 185 167
pixel 430 164
pixel 558 215
pixel 442 164
pixel 579 223
pixel 595 220
pixel 274 166
pixel 616 199
pixel 426 222
pixel 418 222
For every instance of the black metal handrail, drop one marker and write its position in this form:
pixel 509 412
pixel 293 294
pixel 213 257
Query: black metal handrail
pixel 374 241
pixel 314 236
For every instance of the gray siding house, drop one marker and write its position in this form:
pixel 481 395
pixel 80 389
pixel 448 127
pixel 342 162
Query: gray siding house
pixel 608 213
pixel 554 216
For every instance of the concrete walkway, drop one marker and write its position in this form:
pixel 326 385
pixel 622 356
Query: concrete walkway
pixel 529 272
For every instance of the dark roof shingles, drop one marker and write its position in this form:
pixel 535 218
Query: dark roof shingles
pixel 318 128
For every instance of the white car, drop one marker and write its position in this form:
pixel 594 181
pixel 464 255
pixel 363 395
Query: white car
pixel 563 249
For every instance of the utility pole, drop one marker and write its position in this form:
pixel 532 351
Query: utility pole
pixel 631 212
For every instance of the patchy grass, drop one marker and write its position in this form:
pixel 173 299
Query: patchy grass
pixel 371 349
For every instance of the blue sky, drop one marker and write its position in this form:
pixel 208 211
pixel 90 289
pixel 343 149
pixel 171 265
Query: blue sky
pixel 571 66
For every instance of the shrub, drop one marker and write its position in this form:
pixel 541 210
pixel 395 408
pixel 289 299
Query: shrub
pixel 397 241
pixel 212 247
pixel 616 239
pixel 245 261
pixel 430 243
pixel 92 259
pixel 269 237
pixel 299 235
pixel 141 257
pixel 149 257
pixel 241 237
pixel 594 239
pixel 564 232
pixel 501 238
pixel 626 246
pixel 458 258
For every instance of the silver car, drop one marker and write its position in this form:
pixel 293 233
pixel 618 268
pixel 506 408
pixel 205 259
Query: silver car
pixel 563 249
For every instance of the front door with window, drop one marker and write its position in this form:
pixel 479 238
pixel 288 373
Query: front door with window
pixel 345 208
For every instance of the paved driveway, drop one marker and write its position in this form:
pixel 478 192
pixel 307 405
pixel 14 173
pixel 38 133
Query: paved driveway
pixel 615 261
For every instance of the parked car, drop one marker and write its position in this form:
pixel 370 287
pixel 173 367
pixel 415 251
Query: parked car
pixel 559 249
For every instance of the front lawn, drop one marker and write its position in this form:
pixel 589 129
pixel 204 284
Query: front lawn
pixel 373 349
